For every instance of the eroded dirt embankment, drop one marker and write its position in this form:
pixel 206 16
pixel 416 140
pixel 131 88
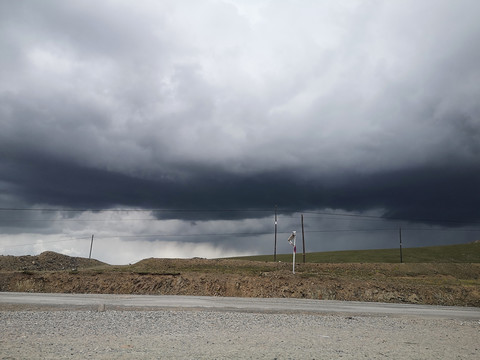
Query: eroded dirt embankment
pixel 439 284
pixel 268 285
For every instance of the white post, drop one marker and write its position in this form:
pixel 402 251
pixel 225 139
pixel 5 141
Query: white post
pixel 294 251
pixel 293 241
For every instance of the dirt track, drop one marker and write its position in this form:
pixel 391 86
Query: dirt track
pixel 437 284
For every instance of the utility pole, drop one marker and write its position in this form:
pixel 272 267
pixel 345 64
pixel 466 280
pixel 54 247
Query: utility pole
pixel 400 234
pixel 275 246
pixel 91 245
pixel 303 240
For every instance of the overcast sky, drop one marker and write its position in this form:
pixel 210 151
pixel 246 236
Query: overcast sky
pixel 338 107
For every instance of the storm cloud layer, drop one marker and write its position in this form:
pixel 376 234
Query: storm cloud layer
pixel 355 106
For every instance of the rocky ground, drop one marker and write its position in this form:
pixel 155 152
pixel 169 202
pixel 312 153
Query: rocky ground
pixel 438 284
pixel 193 334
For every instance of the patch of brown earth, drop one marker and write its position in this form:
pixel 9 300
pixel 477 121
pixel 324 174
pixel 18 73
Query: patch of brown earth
pixel 46 261
pixel 439 284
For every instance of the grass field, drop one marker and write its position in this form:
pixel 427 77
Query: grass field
pixel 462 253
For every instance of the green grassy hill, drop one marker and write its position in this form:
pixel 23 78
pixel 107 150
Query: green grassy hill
pixel 462 253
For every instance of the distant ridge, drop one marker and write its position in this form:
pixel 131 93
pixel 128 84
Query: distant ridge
pixel 461 253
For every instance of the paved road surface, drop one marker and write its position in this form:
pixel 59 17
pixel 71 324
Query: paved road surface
pixel 64 326
pixel 93 301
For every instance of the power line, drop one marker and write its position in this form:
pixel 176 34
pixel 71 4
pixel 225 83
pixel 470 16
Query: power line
pixel 133 210
pixel 245 234
pixel 127 219
pixel 392 218
pixel 291 211
pixel 188 235
pixel 48 242
pixel 77 220
pixel 350 230
pixel 445 230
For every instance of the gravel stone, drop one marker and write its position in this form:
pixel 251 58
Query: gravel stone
pixel 199 334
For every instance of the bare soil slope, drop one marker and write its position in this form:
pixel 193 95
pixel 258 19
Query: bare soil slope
pixel 46 261
pixel 440 284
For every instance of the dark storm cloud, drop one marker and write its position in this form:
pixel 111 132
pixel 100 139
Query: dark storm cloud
pixel 242 105
pixel 429 195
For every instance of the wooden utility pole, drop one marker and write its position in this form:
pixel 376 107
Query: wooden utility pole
pixel 400 234
pixel 275 246
pixel 91 245
pixel 303 240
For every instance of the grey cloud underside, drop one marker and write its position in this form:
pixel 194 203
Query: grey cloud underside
pixel 447 196
pixel 350 107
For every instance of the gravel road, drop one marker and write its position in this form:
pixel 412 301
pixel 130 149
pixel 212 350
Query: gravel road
pixel 212 334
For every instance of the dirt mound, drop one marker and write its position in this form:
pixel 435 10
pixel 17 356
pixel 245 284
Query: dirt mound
pixel 421 283
pixel 277 284
pixel 46 261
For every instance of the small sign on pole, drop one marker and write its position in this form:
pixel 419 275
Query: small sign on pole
pixel 292 239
